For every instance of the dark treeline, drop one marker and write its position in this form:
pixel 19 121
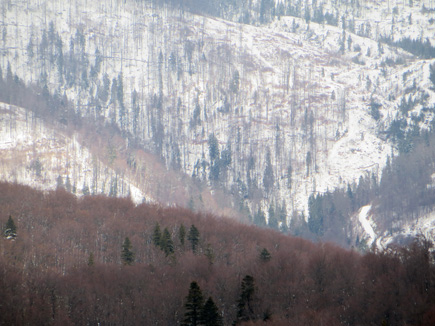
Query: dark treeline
pixel 260 12
pixel 329 213
pixel 423 49
pixel 405 191
pixel 52 108
pixel 407 188
pixel 99 260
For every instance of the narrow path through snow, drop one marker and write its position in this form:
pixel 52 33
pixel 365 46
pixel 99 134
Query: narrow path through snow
pixel 366 223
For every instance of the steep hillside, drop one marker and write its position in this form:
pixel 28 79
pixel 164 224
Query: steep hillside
pixel 34 153
pixel 99 260
pixel 272 112
pixel 85 158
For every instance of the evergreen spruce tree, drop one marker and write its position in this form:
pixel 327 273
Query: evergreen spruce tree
pixel 193 237
pixel 68 186
pixel 273 221
pixel 210 314
pixel 182 234
pixel 315 209
pixel 127 255
pixel 193 306
pixel 157 235
pixel 259 218
pixel 268 178
pixel 265 255
pixel 85 190
pixel 10 229
pixel 245 308
pixel 213 147
pixel 166 243
pixel 283 213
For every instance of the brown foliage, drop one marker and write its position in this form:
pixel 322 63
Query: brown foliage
pixel 45 278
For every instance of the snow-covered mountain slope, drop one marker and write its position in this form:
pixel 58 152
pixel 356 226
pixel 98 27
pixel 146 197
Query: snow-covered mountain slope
pixel 34 153
pixel 368 233
pixel 316 97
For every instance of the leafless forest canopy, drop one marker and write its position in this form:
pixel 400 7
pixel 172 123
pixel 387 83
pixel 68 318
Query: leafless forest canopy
pixel 67 266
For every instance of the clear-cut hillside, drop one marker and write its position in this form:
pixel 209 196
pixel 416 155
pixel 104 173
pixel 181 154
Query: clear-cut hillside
pixel 290 103
pixel 35 153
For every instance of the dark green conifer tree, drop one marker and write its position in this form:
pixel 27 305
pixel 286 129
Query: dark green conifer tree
pixel 157 235
pixel 10 229
pixel 265 255
pixel 259 218
pixel 245 307
pixel 166 243
pixel 315 209
pixel 193 237
pixel 273 221
pixel 193 306
pixel 268 178
pixel 127 255
pixel 182 234
pixel 210 314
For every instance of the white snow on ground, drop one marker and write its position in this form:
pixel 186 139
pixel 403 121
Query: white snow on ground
pixel 33 153
pixel 286 78
pixel 363 218
pixel 424 225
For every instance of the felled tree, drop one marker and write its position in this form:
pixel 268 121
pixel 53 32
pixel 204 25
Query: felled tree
pixel 193 306
pixel 127 255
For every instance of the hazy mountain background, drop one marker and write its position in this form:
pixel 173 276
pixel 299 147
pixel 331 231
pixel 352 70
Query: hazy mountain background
pixel 311 117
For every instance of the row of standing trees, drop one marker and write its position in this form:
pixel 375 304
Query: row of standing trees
pixel 65 266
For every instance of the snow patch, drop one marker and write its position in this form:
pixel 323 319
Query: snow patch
pixel 364 219
pixel 35 154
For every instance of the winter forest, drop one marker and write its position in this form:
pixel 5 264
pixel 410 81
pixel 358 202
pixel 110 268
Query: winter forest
pixel 193 149
pixel 104 260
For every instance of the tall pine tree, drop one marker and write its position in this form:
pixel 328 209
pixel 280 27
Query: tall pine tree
pixel 10 229
pixel 157 235
pixel 193 306
pixel 210 314
pixel 127 255
pixel 268 178
pixel 245 307
pixel 166 243
pixel 265 255
pixel 193 237
pixel 182 234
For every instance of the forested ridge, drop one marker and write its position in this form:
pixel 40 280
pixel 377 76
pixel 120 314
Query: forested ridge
pixel 99 260
pixel 264 127
pixel 210 102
